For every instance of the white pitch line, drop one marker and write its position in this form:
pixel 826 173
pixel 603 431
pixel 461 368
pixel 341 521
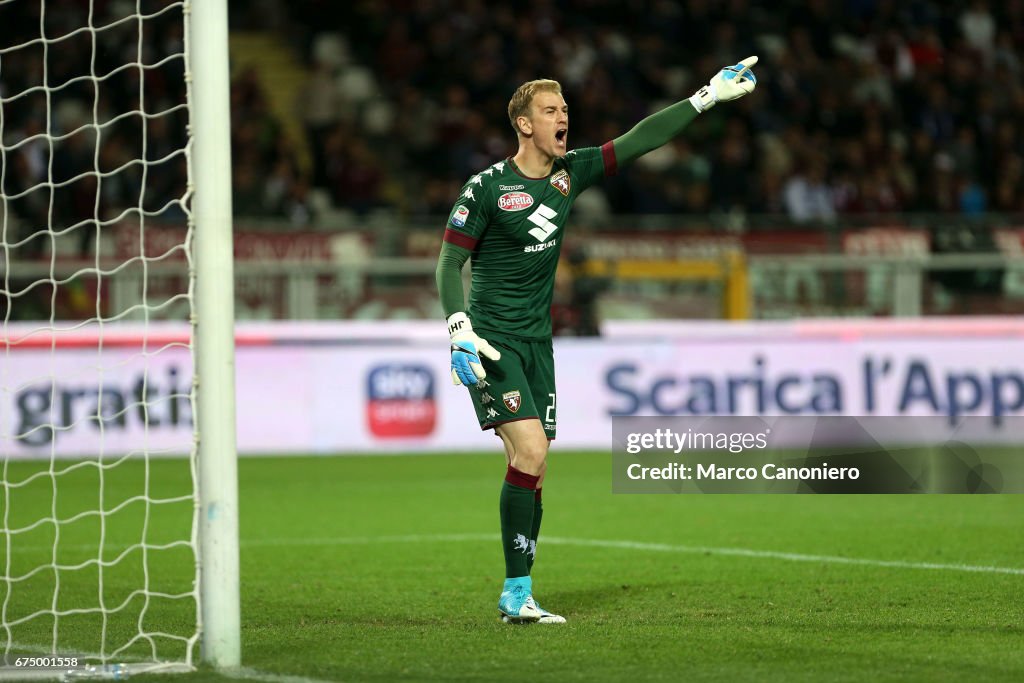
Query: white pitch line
pixel 779 555
pixel 247 674
pixel 614 544
pixel 650 547
pixel 369 540
pixel 351 540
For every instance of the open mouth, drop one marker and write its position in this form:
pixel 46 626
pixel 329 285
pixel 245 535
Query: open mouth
pixel 560 135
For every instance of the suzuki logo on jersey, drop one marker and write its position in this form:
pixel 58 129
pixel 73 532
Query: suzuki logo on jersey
pixel 534 248
pixel 542 219
pixel 561 182
pixel 515 201
pixel 400 401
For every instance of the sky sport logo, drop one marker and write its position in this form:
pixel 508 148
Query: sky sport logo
pixel 400 401
pixel 515 201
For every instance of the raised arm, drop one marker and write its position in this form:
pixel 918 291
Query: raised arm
pixel 730 83
pixel 653 132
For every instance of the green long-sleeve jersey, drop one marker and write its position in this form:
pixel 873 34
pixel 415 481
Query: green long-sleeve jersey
pixel 512 227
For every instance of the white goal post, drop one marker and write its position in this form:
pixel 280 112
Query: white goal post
pixel 119 494
pixel 213 321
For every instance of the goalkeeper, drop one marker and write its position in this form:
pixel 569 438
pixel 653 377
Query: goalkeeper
pixel 510 220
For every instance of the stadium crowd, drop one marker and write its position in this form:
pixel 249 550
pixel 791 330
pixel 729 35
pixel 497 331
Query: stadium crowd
pixel 77 149
pixel 864 106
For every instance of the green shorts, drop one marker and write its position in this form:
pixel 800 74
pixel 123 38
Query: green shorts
pixel 520 386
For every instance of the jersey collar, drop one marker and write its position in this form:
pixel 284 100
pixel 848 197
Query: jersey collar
pixel 512 164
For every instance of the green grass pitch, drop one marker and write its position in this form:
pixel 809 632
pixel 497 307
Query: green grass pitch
pixel 389 568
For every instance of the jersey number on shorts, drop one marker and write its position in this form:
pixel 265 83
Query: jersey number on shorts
pixel 542 219
pixel 547 413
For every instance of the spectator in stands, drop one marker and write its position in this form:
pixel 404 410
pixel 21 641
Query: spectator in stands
pixel 320 105
pixel 979 28
pixel 808 197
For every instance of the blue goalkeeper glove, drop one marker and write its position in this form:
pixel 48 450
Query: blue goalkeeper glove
pixel 467 348
pixel 731 83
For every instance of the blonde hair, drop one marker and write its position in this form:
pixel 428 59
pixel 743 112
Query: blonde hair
pixel 522 98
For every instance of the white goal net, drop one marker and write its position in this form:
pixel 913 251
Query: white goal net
pixel 99 503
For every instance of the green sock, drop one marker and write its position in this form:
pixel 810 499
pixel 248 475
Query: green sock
pixel 516 507
pixel 538 513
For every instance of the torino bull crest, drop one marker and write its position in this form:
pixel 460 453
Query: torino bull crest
pixel 512 400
